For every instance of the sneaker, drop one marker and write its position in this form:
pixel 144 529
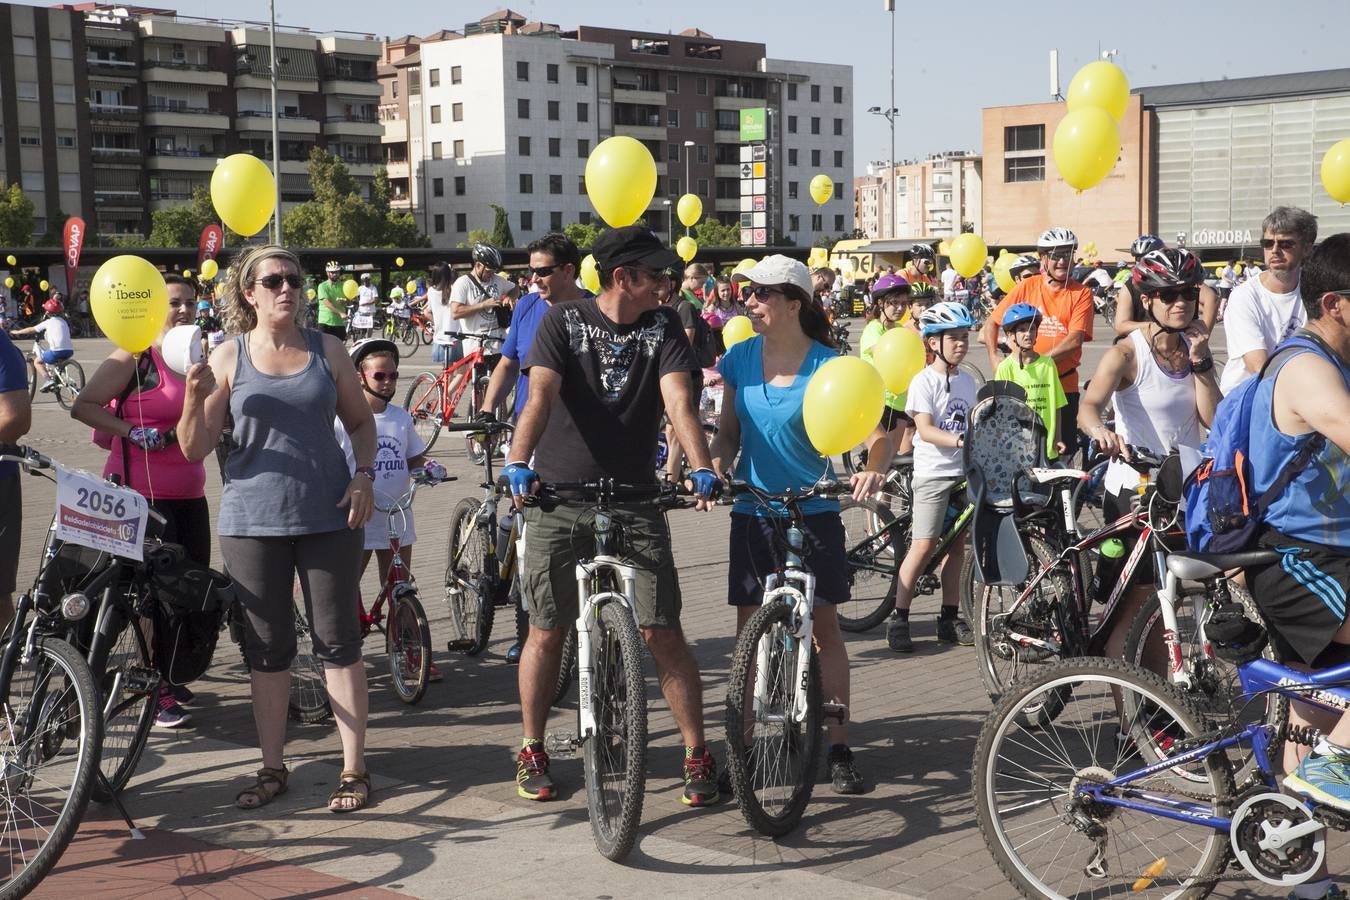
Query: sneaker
pixel 700 778
pixel 170 714
pixel 1332 893
pixel 181 693
pixel 955 631
pixel 1325 779
pixel 513 653
pixel 47 386
pixel 897 635
pixel 532 778
pixel 844 777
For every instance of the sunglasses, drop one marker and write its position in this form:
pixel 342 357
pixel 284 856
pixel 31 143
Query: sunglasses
pixel 1060 255
pixel 1188 295
pixel 1282 243
pixel 274 281
pixel 764 291
pixel 544 271
pixel 381 377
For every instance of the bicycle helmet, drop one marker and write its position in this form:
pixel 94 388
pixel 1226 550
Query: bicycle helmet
pixel 1145 244
pixel 1020 312
pixel 922 292
pixel 487 255
pixel 946 316
pixel 361 349
pixel 890 284
pixel 1024 263
pixel 333 266
pixel 1170 267
pixel 396 293
pixel 365 276
pixel 203 305
pixel 54 307
pixel 1056 239
pixel 922 251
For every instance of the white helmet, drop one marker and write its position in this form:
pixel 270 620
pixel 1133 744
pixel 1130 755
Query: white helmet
pixel 947 316
pixel 1057 238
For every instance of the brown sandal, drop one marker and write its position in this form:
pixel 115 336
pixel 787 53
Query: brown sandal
pixel 268 785
pixel 347 790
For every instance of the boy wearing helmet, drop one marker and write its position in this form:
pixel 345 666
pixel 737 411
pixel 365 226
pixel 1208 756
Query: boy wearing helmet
pixel 332 303
pixel 939 401
pixel 56 331
pixel 1035 374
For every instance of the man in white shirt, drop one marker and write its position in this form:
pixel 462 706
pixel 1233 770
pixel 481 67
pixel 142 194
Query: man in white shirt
pixel 1265 309
pixel 948 281
pixel 475 297
pixel 368 298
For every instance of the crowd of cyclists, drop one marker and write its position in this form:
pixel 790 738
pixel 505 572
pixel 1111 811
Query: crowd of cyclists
pixel 304 424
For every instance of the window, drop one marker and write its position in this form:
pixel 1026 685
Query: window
pixel 393 86
pixel 553 113
pixel 581 184
pixel 456 112
pixel 701 86
pixel 653 47
pixel 672 152
pixel 438 223
pixel 526 183
pixel 26 90
pixel 815 159
pixel 459 149
pixel 522 108
pixel 60 48
pixel 555 221
pixel 815 124
pixel 792 156
pixel 584 217
pixel 69 181
pixel 456 76
pixel 1024 153
pixel 838 190
pixel 817 222
pixel 555 146
pixel 703 153
pixel 703 187
pixel 583 112
pixel 794 223
pixel 672 118
pixel 435 149
pixel 63 93
pixel 523 145
pixel 839 126
pixel 526 220
pixel 438 187
pixel 435 115
pixel 583 148
pixel 555 184
pixel 461 222
pixel 792 91
pixel 792 124
pixel 522 70
pixel 839 223
pixel 839 159
pixel 672 83
pixel 792 190
pixel 815 93
pixel 30 139
pixel 31 182
pixel 674 184
pixel 459 185
pixel 433 78
pixel 838 93
pixel 1024 168
pixel 24 46
pixel 551 73
pixel 65 140
pixel 581 75
pixel 700 118
pixel 1023 137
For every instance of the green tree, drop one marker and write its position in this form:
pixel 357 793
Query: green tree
pixel 55 230
pixel 583 235
pixel 181 226
pixel 711 233
pixel 501 228
pixel 339 217
pixel 16 217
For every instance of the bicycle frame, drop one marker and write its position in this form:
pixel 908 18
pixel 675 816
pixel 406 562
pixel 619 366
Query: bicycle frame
pixel 397 578
pixel 589 605
pixel 795 586
pixel 460 371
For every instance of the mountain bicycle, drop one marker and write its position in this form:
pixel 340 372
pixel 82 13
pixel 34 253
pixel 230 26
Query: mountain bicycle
pixel 774 704
pixel 612 710
pixel 67 376
pixel 433 399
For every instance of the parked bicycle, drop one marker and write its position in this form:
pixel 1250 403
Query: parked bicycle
pixel 433 399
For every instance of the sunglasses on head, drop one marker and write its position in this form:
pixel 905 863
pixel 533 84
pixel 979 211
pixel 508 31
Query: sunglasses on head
pixel 274 281
pixel 382 377
pixel 1282 243
pixel 1172 295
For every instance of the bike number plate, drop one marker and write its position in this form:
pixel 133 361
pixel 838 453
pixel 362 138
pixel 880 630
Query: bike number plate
pixel 360 321
pixel 92 513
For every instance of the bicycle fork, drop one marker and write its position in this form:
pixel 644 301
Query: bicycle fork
pixel 776 590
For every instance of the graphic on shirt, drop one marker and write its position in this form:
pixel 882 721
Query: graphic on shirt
pixel 389 456
pixel 616 352
pixel 955 416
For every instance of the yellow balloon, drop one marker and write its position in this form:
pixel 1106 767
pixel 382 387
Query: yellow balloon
pixel 1237 270
pixel 1001 274
pixel 737 329
pixel 899 356
pixel 746 263
pixel 620 179
pixel 11 260
pixel 944 248
pixel 689 209
pixel 1086 145
pixel 822 189
pixel 187 273
pixel 398 261
pixel 311 293
pixel 350 289
pixel 210 268
pixel 686 247
pixel 129 302
pixel 243 193
pixel 411 286
pixel 842 405
pixel 1336 171
pixel 43 285
pixel 590 276
pixel 9 282
pixel 967 253
pixel 1100 84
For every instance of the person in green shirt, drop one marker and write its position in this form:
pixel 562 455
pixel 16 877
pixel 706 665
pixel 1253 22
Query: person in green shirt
pixel 1036 374
pixel 694 277
pixel 332 304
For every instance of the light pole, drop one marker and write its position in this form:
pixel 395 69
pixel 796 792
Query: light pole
pixel 276 143
pixel 688 186
pixel 670 218
pixel 889 115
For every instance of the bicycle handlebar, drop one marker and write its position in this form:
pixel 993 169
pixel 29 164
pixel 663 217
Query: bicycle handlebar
pixel 791 497
pixel 24 456
pixel 488 428
pixel 607 490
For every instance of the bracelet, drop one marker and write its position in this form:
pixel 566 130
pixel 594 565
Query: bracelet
pixel 1203 366
pixel 368 471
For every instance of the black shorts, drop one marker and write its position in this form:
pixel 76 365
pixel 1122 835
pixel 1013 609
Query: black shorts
pixel 1302 597
pixel 337 331
pixel 892 418
pixel 756 553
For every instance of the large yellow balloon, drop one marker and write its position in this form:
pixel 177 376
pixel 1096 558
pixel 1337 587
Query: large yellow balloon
pixel 686 247
pixel 129 302
pixel 1086 145
pixel 822 189
pixel 620 179
pixel 737 329
pixel 9 282
pixel 689 209
pixel 398 261
pixel 350 289
pixel 1100 84
pixel 967 253
pixel 1001 274
pixel 243 193
pixel 590 276
pixel 411 286
pixel 898 356
pixel 1336 171
pixel 210 268
pixel 842 405
pixel 11 260
pixel 43 285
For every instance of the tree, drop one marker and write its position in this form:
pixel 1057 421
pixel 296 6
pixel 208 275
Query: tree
pixel 339 217
pixel 501 229
pixel 181 226
pixel 16 217
pixel 711 233
pixel 582 234
pixel 56 226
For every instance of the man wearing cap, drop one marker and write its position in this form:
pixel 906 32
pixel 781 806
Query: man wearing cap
pixel 601 373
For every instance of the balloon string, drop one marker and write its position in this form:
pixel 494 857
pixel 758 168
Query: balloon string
pixel 140 412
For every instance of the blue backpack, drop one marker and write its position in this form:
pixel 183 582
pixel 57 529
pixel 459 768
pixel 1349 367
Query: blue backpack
pixel 1223 511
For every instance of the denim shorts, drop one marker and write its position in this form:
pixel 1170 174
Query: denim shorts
pixel 54 356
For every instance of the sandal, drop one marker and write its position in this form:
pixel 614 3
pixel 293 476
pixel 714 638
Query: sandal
pixel 268 785
pixel 348 790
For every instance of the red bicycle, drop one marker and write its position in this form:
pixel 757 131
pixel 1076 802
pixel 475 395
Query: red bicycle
pixel 434 398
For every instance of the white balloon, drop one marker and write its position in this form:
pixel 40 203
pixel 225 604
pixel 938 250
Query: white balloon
pixel 182 348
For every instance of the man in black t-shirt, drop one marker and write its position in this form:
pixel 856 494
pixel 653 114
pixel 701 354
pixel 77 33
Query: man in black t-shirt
pixel 601 373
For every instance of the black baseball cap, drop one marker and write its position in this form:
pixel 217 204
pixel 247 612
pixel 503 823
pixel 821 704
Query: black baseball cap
pixel 633 245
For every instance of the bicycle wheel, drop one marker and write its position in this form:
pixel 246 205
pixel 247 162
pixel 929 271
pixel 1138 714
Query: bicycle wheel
pixel 773 753
pixel 874 541
pixel 973 371
pixel 423 403
pixel 49 740
pixel 408 646
pixel 1087 500
pixel 470 608
pixel 128 686
pixel 32 380
pixel 309 690
pixel 567 672
pixel 70 383
pixel 1044 833
pixel 615 756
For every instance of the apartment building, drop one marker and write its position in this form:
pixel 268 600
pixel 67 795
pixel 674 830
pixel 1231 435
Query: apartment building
pixel 929 199
pixel 400 115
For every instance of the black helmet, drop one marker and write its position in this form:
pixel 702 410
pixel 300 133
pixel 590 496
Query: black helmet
pixel 922 251
pixel 487 255
pixel 1170 267
pixel 1145 244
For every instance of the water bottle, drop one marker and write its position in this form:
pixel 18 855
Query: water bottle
pixel 504 526
pixel 956 504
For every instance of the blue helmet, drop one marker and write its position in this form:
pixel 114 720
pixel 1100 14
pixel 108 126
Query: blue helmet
pixel 1020 312
pixel 203 305
pixel 948 316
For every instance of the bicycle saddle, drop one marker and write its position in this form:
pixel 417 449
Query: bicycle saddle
pixel 1198 566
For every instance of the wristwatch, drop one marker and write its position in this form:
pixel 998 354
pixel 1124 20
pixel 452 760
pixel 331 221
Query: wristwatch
pixel 1203 366
pixel 368 471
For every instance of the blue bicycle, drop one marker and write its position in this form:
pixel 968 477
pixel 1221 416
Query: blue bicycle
pixel 1130 789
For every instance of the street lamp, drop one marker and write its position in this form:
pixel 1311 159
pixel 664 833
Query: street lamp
pixel 890 115
pixel 688 186
pixel 670 219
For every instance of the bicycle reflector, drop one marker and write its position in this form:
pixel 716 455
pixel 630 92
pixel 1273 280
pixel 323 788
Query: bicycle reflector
pixel 75 606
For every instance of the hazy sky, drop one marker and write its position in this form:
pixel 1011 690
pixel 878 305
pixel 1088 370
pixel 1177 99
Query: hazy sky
pixel 952 59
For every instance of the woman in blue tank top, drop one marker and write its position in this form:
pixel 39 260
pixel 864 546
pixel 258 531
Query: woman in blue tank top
pixel 289 506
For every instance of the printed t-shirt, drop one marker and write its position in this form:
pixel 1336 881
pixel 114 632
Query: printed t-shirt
pixel 950 409
pixel 1045 394
pixel 1062 312
pixel 396 441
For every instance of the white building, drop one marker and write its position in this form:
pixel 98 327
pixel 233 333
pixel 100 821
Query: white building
pixel 814 136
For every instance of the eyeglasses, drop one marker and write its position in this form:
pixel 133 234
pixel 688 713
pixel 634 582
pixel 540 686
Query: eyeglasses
pixel 382 377
pixel 543 271
pixel 274 281
pixel 1282 243
pixel 1059 255
pixel 764 291
pixel 1173 295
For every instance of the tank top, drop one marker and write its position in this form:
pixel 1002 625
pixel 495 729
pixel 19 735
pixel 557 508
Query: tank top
pixel 285 471
pixel 1316 506
pixel 1157 412
pixel 160 474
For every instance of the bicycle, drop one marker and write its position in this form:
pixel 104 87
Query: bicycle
pixel 773 747
pixel 433 398
pixel 67 376
pixel 612 709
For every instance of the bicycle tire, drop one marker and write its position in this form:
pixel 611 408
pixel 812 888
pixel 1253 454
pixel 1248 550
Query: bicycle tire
pixel 308 702
pixel 408 647
pixel 127 717
pixel 42 815
pixel 471 609
pixel 410 337
pixel 1087 500
pixel 70 383
pixel 771 791
pixel 615 757
pixel 973 371
pixel 567 670
pixel 32 379
pixel 874 556
pixel 423 403
pixel 1016 772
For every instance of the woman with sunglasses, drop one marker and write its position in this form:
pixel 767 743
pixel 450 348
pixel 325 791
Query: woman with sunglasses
pixel 290 505
pixel 143 453
pixel 1161 381
pixel 761 429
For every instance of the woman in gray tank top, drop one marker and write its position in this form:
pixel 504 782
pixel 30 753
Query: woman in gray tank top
pixel 289 506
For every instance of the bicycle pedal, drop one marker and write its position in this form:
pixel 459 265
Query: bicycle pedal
pixel 460 645
pixel 834 711
pixel 140 679
pixel 562 744
pixel 1332 818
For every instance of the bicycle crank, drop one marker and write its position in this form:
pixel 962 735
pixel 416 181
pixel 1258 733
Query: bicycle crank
pixel 563 744
pixel 1276 838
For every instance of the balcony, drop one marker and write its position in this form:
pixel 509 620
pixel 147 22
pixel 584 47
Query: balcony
pixel 634 95
pixel 182 160
pixel 285 82
pixel 739 102
pixel 115 154
pixel 727 136
pixel 111 68
pixel 183 73
pixel 649 132
pixel 727 170
pixel 366 90
pixel 164 116
pixel 353 126
pixel 402 203
pixel 120 111
pixel 261 120
pixel 399 169
pixel 727 204
pixel 120 198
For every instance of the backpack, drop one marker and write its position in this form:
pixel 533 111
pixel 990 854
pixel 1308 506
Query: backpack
pixel 1223 512
pixel 188 607
pixel 705 342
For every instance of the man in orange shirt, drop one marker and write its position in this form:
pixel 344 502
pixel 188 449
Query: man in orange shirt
pixel 1066 308
pixel 921 266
